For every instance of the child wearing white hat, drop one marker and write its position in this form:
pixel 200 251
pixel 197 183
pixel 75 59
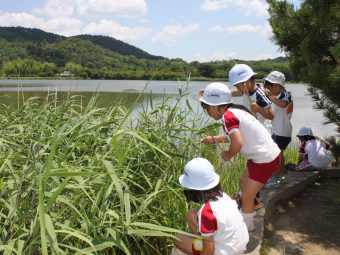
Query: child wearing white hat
pixel 218 222
pixel 248 137
pixel 255 97
pixel 313 152
pixel 283 109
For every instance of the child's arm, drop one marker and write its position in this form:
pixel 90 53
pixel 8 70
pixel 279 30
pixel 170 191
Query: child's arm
pixel 267 113
pixel 208 246
pixel 214 139
pixel 236 143
pixel 279 102
pixel 236 93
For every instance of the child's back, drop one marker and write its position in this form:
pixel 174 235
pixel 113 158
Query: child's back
pixel 257 142
pixel 318 155
pixel 222 220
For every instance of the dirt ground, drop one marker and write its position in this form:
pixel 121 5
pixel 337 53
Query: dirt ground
pixel 306 224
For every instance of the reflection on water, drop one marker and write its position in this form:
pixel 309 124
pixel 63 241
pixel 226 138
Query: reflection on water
pixel 13 93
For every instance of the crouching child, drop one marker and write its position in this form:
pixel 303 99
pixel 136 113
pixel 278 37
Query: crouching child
pixel 218 223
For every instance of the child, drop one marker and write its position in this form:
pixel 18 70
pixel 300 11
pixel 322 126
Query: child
pixel 218 221
pixel 249 138
pixel 283 108
pixel 254 96
pixel 313 152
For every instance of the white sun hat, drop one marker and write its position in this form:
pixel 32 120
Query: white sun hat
pixel 216 93
pixel 199 174
pixel 240 73
pixel 305 131
pixel 276 77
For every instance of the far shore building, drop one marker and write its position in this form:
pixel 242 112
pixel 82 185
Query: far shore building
pixel 66 74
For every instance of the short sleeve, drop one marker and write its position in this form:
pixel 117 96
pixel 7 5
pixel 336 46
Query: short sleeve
pixel 286 96
pixel 208 222
pixel 231 122
pixel 262 98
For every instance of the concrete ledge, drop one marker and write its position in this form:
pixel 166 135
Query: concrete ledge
pixel 295 183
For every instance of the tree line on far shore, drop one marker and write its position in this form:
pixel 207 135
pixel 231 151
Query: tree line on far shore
pixel 35 53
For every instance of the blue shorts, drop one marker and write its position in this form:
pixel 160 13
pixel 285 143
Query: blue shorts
pixel 281 141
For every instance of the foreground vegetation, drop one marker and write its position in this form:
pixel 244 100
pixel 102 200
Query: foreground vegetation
pixel 92 180
pixel 86 180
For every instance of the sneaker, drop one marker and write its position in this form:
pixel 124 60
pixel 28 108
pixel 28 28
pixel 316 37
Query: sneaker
pixel 282 180
pixel 273 182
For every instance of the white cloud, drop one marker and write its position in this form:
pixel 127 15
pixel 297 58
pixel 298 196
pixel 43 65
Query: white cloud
pixel 116 30
pixel 243 28
pixel 217 28
pixel 215 56
pixel 210 5
pixel 19 19
pixel 247 7
pixel 171 32
pixel 62 26
pixel 56 8
pixel 121 8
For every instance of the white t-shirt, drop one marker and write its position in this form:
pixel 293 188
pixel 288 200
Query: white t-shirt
pixel 222 220
pixel 259 96
pixel 257 142
pixel 318 155
pixel 281 122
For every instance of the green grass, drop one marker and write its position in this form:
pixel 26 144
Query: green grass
pixel 92 180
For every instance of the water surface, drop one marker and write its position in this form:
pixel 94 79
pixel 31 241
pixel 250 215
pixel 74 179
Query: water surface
pixel 13 92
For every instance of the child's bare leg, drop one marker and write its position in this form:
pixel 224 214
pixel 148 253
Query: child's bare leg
pixel 185 242
pixel 249 190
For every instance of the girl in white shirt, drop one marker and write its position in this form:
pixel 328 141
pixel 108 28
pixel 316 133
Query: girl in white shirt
pixel 313 152
pixel 249 138
pixel 218 222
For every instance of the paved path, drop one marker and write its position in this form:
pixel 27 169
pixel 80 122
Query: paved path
pixel 295 183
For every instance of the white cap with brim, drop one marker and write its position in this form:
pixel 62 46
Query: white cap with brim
pixel 277 78
pixel 199 174
pixel 240 73
pixel 304 131
pixel 216 93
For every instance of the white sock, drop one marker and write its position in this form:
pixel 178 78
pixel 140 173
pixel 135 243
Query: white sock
pixel 249 219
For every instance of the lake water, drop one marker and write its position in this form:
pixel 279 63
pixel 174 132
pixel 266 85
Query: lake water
pixel 113 90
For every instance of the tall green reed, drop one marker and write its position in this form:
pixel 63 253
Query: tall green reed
pixel 92 180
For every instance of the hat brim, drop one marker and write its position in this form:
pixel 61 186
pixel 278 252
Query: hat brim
pixel 183 180
pixel 202 99
pixel 244 79
pixel 272 81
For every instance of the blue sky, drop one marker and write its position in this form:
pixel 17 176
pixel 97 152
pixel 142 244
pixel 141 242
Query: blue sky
pixel 193 30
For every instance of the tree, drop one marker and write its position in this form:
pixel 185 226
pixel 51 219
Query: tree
pixel 310 37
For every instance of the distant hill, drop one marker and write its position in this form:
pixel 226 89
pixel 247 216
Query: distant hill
pixel 28 34
pixel 37 35
pixel 29 52
pixel 118 46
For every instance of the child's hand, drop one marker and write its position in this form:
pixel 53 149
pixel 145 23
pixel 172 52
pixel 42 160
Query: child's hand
pixel 255 107
pixel 208 140
pixel 268 91
pixel 226 155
